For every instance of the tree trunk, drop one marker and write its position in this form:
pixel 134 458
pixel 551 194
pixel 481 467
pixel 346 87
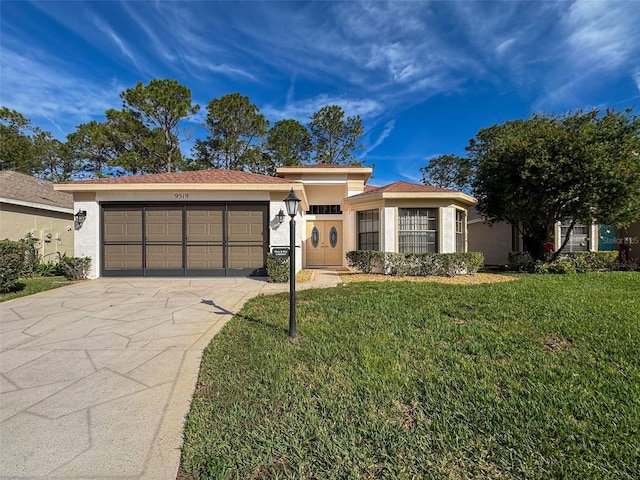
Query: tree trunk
pixel 557 253
pixel 533 242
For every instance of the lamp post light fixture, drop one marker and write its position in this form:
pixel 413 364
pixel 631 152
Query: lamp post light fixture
pixel 292 203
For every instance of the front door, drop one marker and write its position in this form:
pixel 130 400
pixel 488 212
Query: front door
pixel 324 243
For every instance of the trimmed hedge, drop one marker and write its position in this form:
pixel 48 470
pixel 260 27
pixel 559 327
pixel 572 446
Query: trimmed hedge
pixel 277 269
pixel 11 263
pixel 570 262
pixel 427 264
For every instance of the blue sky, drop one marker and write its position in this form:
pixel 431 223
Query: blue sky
pixel 424 76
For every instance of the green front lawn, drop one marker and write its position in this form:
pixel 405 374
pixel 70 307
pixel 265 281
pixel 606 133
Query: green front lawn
pixel 536 378
pixel 29 286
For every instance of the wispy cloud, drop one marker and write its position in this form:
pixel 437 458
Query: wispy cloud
pixel 303 109
pixel 44 89
pixel 224 69
pixel 388 128
pixel 604 34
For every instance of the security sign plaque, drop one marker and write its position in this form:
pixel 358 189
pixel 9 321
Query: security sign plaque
pixel 280 252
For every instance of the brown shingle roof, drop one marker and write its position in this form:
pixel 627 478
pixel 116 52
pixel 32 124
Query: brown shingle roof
pixel 404 187
pixel 21 187
pixel 199 176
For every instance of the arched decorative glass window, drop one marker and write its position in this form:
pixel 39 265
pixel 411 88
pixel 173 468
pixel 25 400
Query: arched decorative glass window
pixel 333 237
pixel 315 237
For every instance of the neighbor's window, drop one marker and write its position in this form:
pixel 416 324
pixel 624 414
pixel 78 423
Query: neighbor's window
pixel 459 231
pixel 369 230
pixel 578 238
pixel 418 230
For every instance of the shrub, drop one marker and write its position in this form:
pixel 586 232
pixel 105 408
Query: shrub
pixel 11 263
pixel 362 260
pixel 48 269
pixel 74 268
pixel 277 269
pixel 580 262
pixel 32 257
pixel 521 262
pixel 401 264
pixel 596 261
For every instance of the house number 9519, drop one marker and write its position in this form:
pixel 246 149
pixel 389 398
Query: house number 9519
pixel 181 195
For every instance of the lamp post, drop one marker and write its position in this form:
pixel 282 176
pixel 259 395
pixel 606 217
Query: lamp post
pixel 292 202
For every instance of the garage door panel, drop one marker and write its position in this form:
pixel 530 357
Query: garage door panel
pixel 205 256
pixel 123 225
pixel 124 257
pixel 205 224
pixel 246 225
pixel 246 257
pixel 164 224
pixel 164 256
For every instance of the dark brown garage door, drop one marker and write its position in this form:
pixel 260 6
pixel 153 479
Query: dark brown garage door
pixel 184 239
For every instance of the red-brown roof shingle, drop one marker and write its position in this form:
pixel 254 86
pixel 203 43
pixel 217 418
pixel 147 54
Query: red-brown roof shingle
pixel 199 176
pixel 404 187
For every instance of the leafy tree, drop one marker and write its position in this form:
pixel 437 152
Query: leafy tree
pixel 137 149
pixel 236 129
pixel 333 137
pixel 93 146
pixel 581 166
pixel 162 104
pixel 16 144
pixel 55 160
pixel 448 171
pixel 288 143
pixel 30 150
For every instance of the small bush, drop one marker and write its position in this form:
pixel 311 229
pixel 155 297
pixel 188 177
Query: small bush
pixel 11 263
pixel 277 269
pixel 74 268
pixel 32 257
pixel 521 262
pixel 48 269
pixel 402 264
pixel 363 260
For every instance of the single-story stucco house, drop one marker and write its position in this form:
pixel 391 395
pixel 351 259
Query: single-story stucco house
pixel 30 205
pixel 496 240
pixel 223 223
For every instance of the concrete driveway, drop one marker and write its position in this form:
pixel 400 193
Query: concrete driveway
pixel 96 378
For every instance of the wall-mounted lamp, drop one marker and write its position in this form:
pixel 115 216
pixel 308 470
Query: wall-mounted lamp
pixel 280 217
pixel 80 217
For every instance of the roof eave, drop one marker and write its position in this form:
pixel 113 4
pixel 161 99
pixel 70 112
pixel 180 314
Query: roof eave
pixel 459 196
pixel 102 187
pixel 315 170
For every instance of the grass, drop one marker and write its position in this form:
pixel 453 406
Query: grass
pixel 29 286
pixel 537 378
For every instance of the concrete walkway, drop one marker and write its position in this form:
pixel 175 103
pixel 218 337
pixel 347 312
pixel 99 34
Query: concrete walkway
pixel 96 378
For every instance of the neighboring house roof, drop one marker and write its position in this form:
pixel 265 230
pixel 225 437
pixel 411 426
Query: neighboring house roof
pixel 20 189
pixel 403 189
